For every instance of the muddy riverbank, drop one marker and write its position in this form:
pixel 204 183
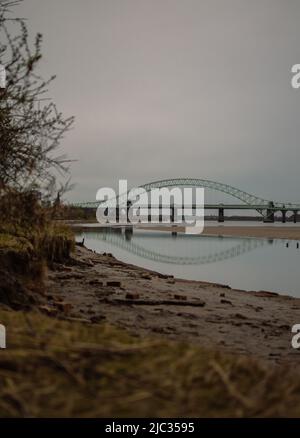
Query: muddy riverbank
pixel 98 287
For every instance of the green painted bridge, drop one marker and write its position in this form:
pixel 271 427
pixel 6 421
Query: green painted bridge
pixel 266 208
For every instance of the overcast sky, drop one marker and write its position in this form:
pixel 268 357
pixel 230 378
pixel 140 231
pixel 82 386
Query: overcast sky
pixel 171 88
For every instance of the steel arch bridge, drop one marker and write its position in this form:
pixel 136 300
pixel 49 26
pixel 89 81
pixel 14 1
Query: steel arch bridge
pixel 118 240
pixel 247 199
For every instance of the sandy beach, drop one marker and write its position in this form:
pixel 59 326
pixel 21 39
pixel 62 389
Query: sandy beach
pixel 263 231
pixel 96 288
pixel 267 232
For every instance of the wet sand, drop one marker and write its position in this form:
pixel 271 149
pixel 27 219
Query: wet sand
pixel 261 231
pixel 96 287
pixel 268 232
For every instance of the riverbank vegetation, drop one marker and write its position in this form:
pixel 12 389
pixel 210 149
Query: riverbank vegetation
pixel 31 130
pixel 60 368
pixel 30 241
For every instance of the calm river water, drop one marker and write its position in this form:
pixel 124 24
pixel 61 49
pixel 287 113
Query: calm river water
pixel 243 263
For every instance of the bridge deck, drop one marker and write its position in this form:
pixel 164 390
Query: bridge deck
pixel 215 207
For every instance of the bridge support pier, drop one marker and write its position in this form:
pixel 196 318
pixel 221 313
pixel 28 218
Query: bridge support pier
pixel 172 215
pixel 295 216
pixel 128 233
pixel 283 216
pixel 221 215
pixel 160 215
pixel 172 220
pixel 270 213
pixel 269 218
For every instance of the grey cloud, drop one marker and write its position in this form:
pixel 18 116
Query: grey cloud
pixel 165 88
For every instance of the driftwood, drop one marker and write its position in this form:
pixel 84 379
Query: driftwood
pixel 155 302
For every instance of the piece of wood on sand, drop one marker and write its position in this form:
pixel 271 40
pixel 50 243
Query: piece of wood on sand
pixel 138 302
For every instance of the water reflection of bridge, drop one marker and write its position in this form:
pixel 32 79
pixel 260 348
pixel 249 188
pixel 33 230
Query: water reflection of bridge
pixel 126 242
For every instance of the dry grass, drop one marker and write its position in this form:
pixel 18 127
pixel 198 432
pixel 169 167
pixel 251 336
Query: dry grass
pixel 24 257
pixel 26 226
pixel 66 368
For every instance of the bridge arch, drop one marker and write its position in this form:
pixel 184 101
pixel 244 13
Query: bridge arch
pixel 245 197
